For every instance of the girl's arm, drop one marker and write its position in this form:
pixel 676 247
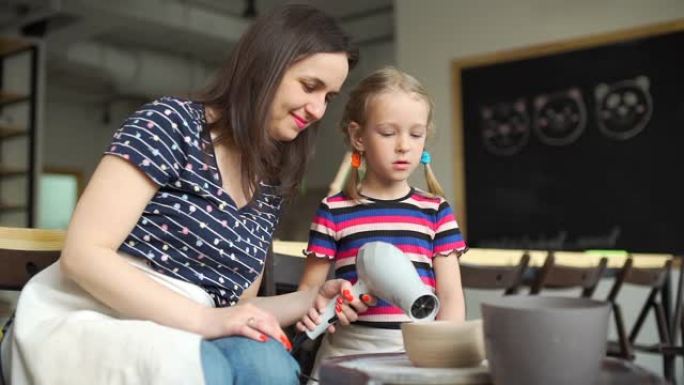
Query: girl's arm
pixel 449 289
pixel 316 271
pixel 107 211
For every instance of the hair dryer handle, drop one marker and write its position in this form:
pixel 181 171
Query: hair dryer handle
pixel 329 317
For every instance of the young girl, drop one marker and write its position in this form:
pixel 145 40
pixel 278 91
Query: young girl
pixel 386 122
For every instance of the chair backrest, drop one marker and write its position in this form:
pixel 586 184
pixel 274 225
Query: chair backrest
pixel 24 252
pixel 677 322
pixel 556 276
pixel 506 278
pixel 653 278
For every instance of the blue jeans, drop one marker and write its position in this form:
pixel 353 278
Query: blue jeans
pixel 243 361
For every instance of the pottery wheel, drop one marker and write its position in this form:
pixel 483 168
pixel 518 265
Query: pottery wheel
pixel 397 369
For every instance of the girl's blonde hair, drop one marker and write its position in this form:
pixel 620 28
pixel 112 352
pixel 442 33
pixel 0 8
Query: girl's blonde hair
pixel 384 80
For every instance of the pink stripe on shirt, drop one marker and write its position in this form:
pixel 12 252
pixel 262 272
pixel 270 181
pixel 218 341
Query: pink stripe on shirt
pixel 447 218
pixel 375 310
pixel 422 198
pixel 404 248
pixel 384 219
pixel 321 250
pixel 324 222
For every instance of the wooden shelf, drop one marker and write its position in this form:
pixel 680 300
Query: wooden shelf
pixel 10 131
pixel 9 46
pixel 19 173
pixel 10 97
pixel 11 171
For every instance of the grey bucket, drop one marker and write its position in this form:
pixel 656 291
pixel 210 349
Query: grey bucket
pixel 535 340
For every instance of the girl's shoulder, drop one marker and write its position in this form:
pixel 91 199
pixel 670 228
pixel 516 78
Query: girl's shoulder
pixel 426 197
pixel 339 197
pixel 338 201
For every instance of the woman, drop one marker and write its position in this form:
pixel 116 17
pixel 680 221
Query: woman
pixel 163 257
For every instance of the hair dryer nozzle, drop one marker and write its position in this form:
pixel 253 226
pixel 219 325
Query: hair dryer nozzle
pixel 424 307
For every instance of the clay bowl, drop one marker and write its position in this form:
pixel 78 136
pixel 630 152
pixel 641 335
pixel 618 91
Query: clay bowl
pixel 444 344
pixel 534 340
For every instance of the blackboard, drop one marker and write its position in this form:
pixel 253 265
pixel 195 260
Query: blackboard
pixel 576 145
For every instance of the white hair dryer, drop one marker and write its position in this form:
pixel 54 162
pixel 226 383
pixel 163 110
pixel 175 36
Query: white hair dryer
pixel 385 272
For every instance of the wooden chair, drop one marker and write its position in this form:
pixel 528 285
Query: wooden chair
pixel 556 276
pixel 23 253
pixel 676 347
pixel 506 278
pixel 625 346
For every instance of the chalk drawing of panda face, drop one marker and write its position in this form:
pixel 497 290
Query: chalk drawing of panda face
pixel 624 108
pixel 559 117
pixel 505 127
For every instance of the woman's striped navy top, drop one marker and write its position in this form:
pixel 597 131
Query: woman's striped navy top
pixel 421 225
pixel 191 229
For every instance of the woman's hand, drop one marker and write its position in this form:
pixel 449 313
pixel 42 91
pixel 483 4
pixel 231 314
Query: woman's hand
pixel 347 306
pixel 245 320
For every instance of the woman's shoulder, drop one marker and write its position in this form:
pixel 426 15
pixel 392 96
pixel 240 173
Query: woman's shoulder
pixel 179 112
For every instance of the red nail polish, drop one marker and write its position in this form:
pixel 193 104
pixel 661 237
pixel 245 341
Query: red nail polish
pixel 340 300
pixel 263 338
pixel 286 342
pixel 347 295
pixel 365 298
pixel 338 308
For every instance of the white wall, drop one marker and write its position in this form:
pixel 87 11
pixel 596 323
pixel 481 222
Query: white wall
pixel 431 34
pixel 75 134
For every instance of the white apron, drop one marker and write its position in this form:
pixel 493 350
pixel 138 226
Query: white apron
pixel 61 335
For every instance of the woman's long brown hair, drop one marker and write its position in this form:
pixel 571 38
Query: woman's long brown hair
pixel 244 89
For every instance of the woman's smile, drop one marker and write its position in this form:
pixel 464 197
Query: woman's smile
pixel 300 122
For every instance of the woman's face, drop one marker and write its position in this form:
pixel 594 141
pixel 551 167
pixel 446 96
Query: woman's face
pixel 303 94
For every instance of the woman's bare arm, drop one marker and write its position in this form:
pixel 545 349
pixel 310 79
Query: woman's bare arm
pixel 109 208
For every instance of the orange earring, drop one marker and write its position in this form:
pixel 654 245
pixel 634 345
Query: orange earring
pixel 356 159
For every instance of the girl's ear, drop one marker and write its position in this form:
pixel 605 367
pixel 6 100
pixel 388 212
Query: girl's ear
pixel 355 136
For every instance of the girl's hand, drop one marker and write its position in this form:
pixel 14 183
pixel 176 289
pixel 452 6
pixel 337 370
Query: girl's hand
pixel 245 320
pixel 347 306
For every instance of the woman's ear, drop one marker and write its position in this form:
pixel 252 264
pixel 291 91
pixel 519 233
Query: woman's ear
pixel 355 136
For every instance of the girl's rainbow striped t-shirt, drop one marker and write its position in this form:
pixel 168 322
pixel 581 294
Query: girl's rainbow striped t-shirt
pixel 419 224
